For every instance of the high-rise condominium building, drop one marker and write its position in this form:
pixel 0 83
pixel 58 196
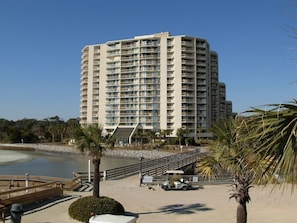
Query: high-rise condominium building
pixel 153 82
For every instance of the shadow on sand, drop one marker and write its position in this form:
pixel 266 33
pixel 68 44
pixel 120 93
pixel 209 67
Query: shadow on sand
pixel 180 209
pixel 184 208
pixel 39 206
pixel 42 205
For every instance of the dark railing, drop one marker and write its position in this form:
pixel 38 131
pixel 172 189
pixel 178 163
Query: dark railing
pixel 197 180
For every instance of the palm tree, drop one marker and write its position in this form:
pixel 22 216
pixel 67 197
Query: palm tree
pixel 165 133
pixel 151 134
pixel 231 153
pixel 275 137
pixel 181 133
pixel 140 136
pixel 90 139
pixel 71 127
pixel 262 145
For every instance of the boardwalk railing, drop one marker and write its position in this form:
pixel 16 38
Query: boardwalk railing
pixel 29 195
pixel 15 181
pixel 154 167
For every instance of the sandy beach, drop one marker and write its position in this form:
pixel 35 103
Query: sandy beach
pixel 208 204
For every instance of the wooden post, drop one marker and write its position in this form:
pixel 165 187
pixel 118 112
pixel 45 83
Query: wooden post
pixel 3 208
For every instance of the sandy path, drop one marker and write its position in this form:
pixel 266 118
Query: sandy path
pixel 209 204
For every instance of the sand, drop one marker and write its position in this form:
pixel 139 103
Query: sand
pixel 12 156
pixel 208 204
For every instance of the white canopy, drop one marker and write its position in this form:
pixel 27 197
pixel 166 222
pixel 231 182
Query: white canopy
pixel 109 218
pixel 175 172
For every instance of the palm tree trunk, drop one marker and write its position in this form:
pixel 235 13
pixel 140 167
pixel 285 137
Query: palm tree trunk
pixel 96 180
pixel 241 213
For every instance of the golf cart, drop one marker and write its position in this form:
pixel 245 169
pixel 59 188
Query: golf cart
pixel 175 181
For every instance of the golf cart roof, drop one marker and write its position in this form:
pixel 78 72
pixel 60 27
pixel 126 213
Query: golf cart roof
pixel 175 172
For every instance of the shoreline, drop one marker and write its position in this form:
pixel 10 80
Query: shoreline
pixel 121 153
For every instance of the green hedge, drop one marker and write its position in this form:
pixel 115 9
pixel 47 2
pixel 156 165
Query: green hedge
pixel 82 208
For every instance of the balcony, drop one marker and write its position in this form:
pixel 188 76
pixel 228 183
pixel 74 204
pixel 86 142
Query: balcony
pixel 170 100
pixel 188 119
pixel 188 68
pixel 152 62
pixel 125 102
pixel 129 52
pixel 112 95
pixel 130 76
pixel 190 107
pixel 129 58
pixel 188 116
pixel 85 65
pixel 96 67
pixel 84 85
pixel 149 56
pixel 84 57
pixel 187 55
pixel 113 53
pixel 150 68
pixel 129 70
pixel 188 49
pixel 148 43
pixel 150 50
pixel 127 95
pixel 129 64
pixel 129 45
pixel 84 78
pixel 188 62
pixel 188 100
pixel 188 42
pixel 190 81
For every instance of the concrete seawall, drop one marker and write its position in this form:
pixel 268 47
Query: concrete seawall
pixel 147 154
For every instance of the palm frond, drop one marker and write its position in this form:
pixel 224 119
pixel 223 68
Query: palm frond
pixel 91 140
pixel 209 167
pixel 274 132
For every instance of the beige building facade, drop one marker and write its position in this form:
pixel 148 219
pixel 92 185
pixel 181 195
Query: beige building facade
pixel 153 82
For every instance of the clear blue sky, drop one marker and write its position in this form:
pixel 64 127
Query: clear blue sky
pixel 41 42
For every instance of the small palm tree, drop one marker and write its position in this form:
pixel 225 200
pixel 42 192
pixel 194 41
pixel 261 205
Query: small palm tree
pixel 231 153
pixel 91 140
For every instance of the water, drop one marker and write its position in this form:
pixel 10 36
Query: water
pixel 52 164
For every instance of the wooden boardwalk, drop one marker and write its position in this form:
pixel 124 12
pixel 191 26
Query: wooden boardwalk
pixel 155 167
pixel 28 195
pixel 14 181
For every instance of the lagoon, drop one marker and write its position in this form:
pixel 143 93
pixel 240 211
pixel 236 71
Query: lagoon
pixel 53 164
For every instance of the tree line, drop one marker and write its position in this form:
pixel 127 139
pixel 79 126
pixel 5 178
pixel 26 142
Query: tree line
pixel 56 130
pixel 52 129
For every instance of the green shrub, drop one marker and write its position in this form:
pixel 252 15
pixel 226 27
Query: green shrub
pixel 82 208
